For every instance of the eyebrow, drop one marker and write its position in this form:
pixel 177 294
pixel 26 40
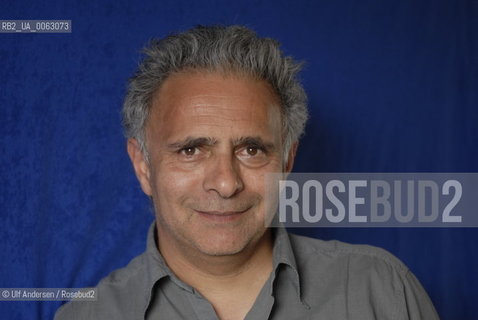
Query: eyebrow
pixel 255 142
pixel 191 142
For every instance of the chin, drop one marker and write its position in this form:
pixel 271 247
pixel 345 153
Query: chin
pixel 221 252
pixel 221 247
pixel 227 244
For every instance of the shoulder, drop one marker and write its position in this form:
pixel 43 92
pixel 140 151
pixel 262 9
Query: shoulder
pixel 116 295
pixel 364 279
pixel 306 248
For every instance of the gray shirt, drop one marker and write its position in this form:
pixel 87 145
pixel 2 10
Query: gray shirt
pixel 311 279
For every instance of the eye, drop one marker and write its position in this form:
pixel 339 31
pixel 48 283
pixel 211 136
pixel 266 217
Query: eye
pixel 252 151
pixel 253 156
pixel 189 151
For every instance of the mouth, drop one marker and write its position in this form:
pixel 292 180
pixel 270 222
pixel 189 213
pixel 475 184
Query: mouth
pixel 221 216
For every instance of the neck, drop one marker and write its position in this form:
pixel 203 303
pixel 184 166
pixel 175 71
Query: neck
pixel 201 270
pixel 222 279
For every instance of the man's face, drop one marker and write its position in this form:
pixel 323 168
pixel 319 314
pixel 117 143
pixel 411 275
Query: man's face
pixel 211 140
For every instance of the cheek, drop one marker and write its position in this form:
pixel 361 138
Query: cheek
pixel 255 180
pixel 172 186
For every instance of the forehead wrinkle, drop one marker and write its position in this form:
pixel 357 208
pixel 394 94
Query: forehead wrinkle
pixel 226 100
pixel 215 115
pixel 208 99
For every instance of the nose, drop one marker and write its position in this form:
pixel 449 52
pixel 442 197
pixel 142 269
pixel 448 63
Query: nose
pixel 223 176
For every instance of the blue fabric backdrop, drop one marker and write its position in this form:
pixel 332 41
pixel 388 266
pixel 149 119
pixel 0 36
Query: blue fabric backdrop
pixel 392 87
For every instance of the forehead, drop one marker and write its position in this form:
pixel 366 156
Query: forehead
pixel 200 103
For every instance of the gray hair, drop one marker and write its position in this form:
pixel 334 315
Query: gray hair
pixel 235 49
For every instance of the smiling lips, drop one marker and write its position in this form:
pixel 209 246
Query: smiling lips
pixel 221 216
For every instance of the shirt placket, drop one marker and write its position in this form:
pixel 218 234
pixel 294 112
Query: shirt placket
pixel 202 307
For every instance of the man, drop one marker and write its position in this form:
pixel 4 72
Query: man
pixel 209 113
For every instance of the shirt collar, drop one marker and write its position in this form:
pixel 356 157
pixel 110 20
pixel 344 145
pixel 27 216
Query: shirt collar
pixel 156 267
pixel 283 255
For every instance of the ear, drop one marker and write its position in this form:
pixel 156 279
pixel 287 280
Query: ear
pixel 290 157
pixel 141 167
